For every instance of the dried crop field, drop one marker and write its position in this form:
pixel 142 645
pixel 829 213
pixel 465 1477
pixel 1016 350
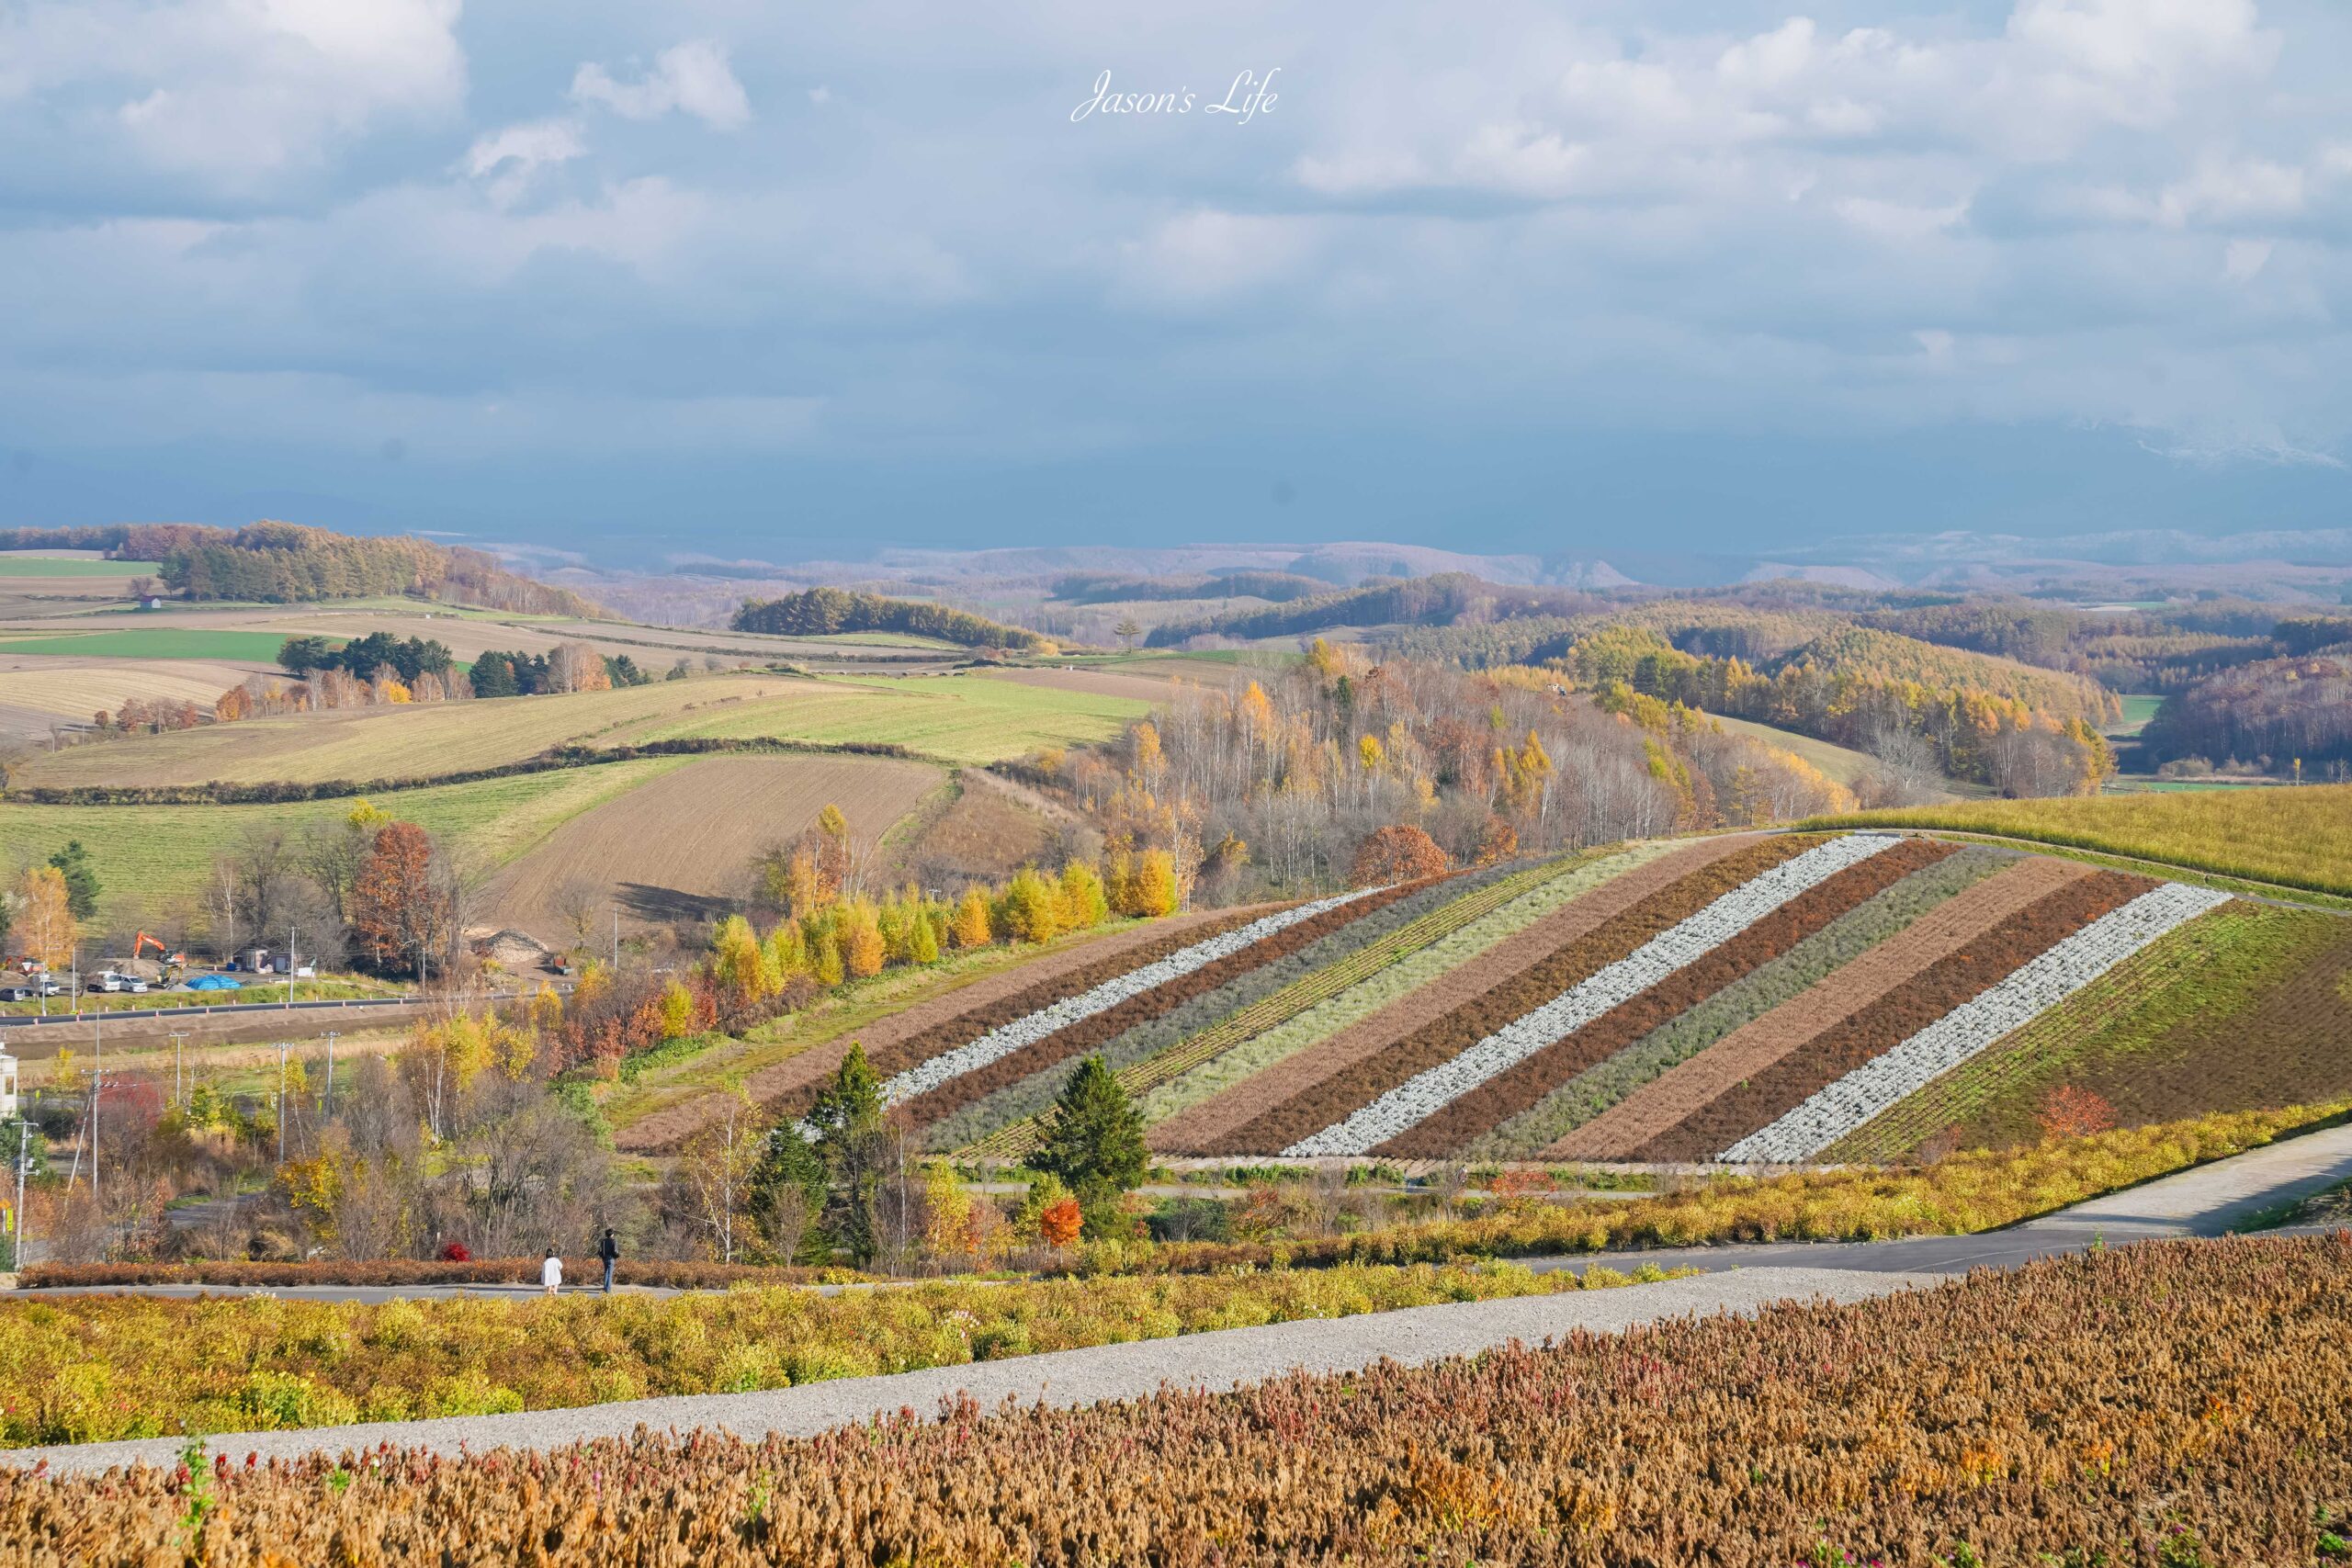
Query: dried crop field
pixel 679 846
pixel 2173 1403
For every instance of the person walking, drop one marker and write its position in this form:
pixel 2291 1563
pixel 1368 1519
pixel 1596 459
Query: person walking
pixel 609 1249
pixel 551 1272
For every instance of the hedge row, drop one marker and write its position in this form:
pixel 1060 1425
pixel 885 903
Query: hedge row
pixel 668 1273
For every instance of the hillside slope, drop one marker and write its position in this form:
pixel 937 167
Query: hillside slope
pixel 1751 998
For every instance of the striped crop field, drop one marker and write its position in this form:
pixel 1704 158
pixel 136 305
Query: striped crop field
pixel 1757 998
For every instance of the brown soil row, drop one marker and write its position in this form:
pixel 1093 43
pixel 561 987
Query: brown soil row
pixel 1506 1094
pixel 1690 1087
pixel 1945 985
pixel 1479 1015
pixel 1090 1034
pixel 667 1129
pixel 1201 1129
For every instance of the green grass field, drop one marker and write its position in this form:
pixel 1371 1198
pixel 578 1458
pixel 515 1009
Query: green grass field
pixel 69 565
pixel 2137 711
pixel 957 718
pixel 2290 838
pixel 149 858
pixel 163 642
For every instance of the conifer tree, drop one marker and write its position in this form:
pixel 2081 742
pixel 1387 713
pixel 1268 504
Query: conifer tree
pixel 1093 1141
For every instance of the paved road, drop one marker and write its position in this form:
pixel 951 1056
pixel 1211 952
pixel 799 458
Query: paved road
pixel 1212 1362
pixel 2205 1202
pixel 2212 1199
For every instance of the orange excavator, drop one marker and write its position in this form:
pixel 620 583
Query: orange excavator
pixel 173 962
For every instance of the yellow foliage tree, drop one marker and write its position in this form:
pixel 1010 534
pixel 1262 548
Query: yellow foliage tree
pixel 1153 891
pixel 45 927
pixel 971 927
pixel 863 950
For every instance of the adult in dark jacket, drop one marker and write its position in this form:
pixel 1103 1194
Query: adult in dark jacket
pixel 609 1249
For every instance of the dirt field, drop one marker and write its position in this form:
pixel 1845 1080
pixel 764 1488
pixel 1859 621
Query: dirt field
pixel 677 848
pixel 37 690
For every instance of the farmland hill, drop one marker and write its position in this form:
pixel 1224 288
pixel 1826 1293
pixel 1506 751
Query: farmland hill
pixel 280 563
pixel 1746 998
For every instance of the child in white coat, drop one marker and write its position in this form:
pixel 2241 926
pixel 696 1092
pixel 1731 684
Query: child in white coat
pixel 551 1272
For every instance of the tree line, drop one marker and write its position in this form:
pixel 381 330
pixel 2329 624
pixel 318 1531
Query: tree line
pixel 823 612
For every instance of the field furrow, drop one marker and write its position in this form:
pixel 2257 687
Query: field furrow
pixel 1756 1046
pixel 2241 1009
pixel 1520 1086
pixel 1195 1101
pixel 946 1083
pixel 1959 978
pixel 1849 1102
pixel 1593 1092
pixel 1241 1120
pixel 1002 1126
pixel 1061 972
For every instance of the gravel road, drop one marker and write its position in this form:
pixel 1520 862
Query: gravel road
pixel 1214 1362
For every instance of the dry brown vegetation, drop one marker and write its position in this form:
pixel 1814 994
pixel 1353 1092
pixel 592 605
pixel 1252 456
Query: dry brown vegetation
pixel 2175 1404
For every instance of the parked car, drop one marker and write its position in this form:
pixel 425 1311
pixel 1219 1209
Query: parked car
pixel 50 988
pixel 16 993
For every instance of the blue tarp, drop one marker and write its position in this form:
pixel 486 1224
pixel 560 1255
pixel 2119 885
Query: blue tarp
pixel 215 983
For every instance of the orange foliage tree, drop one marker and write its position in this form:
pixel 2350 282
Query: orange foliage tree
pixel 2068 1112
pixel 398 911
pixel 1399 852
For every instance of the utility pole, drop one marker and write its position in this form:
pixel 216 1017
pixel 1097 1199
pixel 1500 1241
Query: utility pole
pixel 24 1157
pixel 281 1103
pixel 97 1093
pixel 290 968
pixel 179 1098
pixel 331 1033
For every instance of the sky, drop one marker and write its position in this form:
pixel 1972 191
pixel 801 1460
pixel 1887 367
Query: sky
pixel 653 282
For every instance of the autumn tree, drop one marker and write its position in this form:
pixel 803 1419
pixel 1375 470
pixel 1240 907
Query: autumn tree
pixel 1399 852
pixel 45 927
pixel 399 911
pixel 2069 1112
pixel 719 1166
pixel 972 926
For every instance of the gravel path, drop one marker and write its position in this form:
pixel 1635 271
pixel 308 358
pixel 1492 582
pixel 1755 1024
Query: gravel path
pixel 1212 1362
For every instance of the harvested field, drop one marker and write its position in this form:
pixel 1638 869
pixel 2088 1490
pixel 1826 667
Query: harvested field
pixel 1764 1097
pixel 679 848
pixel 151 858
pixel 2239 1011
pixel 958 718
pixel 1784 978
pixel 40 689
pixel 986 834
pixel 1464 967
pixel 1333 1101
pixel 2173 1402
pixel 1518 1089
pixel 1848 992
pixel 397 742
pixel 1058 972
pixel 2294 838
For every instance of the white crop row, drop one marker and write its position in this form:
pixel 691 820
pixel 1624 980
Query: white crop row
pixel 1423 1096
pixel 1029 1029
pixel 2028 991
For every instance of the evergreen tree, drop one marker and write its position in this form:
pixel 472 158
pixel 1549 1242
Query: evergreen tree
pixel 787 1197
pixel 852 1144
pixel 1093 1142
pixel 81 882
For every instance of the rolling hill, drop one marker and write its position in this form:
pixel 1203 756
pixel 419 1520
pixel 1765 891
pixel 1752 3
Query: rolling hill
pixel 1746 999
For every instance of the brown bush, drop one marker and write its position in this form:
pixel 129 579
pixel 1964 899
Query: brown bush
pixel 1401 853
pixel 2169 1402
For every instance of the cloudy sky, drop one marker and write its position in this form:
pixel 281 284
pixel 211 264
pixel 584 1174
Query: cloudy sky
pixel 760 280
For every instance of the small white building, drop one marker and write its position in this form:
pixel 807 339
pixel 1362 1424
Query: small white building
pixel 8 1087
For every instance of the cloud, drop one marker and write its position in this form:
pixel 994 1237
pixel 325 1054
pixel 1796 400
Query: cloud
pixel 509 157
pixel 692 77
pixel 235 93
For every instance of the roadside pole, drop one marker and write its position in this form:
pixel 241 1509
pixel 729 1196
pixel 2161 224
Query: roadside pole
pixel 177 1035
pixel 24 1151
pixel 290 968
pixel 281 1103
pixel 97 1093
pixel 330 1099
